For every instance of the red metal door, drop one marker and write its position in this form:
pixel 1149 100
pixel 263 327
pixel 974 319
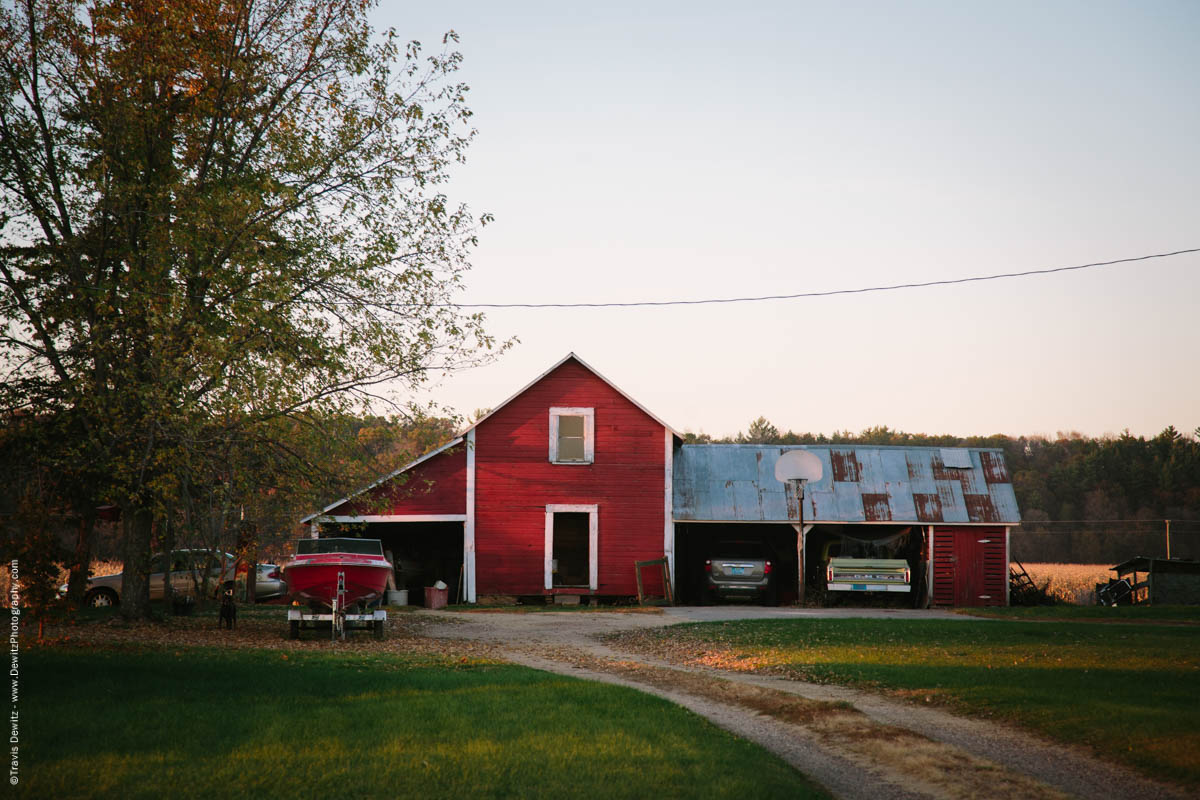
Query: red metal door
pixel 969 567
pixel 968 586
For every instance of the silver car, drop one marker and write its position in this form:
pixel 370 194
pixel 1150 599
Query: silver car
pixel 187 570
pixel 270 583
pixel 741 570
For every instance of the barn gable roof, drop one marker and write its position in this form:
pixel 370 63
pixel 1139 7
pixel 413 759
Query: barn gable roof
pixel 895 485
pixel 463 435
pixel 382 480
pixel 589 368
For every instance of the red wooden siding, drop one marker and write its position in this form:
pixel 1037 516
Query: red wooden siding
pixel 436 486
pixel 969 567
pixel 515 481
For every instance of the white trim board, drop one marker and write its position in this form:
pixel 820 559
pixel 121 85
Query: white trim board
pixel 469 524
pixel 593 512
pixel 669 506
pixel 396 518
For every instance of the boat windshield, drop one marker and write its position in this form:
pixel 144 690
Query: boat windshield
pixel 368 547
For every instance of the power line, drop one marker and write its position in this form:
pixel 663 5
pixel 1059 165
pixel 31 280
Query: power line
pixel 97 289
pixel 830 293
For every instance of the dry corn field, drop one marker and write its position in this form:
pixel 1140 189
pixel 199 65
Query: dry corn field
pixel 1070 583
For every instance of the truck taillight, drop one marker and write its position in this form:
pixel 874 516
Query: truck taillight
pixel 767 568
pixel 829 574
pixel 906 576
pixel 708 566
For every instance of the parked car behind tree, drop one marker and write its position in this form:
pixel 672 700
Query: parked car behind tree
pixel 191 572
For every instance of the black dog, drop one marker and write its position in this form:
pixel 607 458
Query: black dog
pixel 228 616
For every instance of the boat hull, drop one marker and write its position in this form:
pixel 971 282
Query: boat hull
pixel 315 578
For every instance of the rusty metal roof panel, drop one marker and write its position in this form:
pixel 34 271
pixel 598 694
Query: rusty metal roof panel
pixel 847 504
pixel 736 483
pixel 872 479
pixel 902 501
pixel 954 508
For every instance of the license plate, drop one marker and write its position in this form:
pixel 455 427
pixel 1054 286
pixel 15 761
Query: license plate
pixel 859 587
pixel 737 571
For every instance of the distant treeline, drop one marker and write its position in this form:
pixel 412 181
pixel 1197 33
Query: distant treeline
pixel 1082 498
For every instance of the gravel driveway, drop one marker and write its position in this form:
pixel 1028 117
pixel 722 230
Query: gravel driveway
pixel 858 744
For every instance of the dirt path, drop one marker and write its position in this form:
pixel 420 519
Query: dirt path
pixel 857 744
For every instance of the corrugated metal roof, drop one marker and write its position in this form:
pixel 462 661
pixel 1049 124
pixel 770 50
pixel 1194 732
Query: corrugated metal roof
pixel 736 483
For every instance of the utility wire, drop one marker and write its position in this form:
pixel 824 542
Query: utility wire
pixel 98 289
pixel 830 293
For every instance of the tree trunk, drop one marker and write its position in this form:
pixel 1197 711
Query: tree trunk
pixel 135 580
pixel 169 572
pixel 81 564
pixel 247 553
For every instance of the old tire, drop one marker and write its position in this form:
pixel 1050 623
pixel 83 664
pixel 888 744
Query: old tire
pixel 101 598
pixel 294 629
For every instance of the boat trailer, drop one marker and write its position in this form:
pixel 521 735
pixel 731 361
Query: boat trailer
pixel 338 619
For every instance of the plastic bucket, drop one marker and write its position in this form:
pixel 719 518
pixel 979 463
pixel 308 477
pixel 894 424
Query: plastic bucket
pixel 397 597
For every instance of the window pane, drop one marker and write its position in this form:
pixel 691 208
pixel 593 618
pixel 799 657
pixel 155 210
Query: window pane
pixel 570 426
pixel 570 449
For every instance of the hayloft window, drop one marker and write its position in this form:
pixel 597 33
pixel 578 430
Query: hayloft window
pixel 572 434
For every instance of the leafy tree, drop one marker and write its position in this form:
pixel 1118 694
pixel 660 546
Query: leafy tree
pixel 215 216
pixel 760 431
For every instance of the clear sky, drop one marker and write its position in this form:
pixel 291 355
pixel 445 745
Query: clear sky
pixel 683 150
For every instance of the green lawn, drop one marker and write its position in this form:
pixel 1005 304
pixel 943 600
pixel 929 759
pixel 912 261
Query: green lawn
pixel 1131 691
pixel 264 723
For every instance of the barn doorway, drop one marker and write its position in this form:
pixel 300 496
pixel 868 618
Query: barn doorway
pixel 423 553
pixel 572 547
pixel 824 542
pixel 570 550
pixel 697 542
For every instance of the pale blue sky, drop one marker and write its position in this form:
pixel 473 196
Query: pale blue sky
pixel 685 150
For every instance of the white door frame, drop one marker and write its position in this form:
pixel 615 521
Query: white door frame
pixel 593 512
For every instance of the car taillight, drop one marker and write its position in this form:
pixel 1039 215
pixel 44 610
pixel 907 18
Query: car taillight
pixel 708 566
pixel 767 568
pixel 273 574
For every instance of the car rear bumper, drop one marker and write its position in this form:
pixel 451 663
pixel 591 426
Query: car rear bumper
pixel 738 589
pixel 868 587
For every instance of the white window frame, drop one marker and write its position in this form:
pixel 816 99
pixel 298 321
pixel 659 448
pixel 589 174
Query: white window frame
pixel 593 512
pixel 589 433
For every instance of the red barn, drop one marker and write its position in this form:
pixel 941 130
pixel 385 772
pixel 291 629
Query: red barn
pixel 558 490
pixel 569 482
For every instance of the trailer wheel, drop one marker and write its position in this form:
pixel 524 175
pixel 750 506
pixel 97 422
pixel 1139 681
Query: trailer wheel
pixel 294 629
pixel 378 629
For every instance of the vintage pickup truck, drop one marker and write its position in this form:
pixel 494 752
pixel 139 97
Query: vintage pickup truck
pixel 868 575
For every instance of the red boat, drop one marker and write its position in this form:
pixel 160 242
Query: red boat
pixel 337 573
